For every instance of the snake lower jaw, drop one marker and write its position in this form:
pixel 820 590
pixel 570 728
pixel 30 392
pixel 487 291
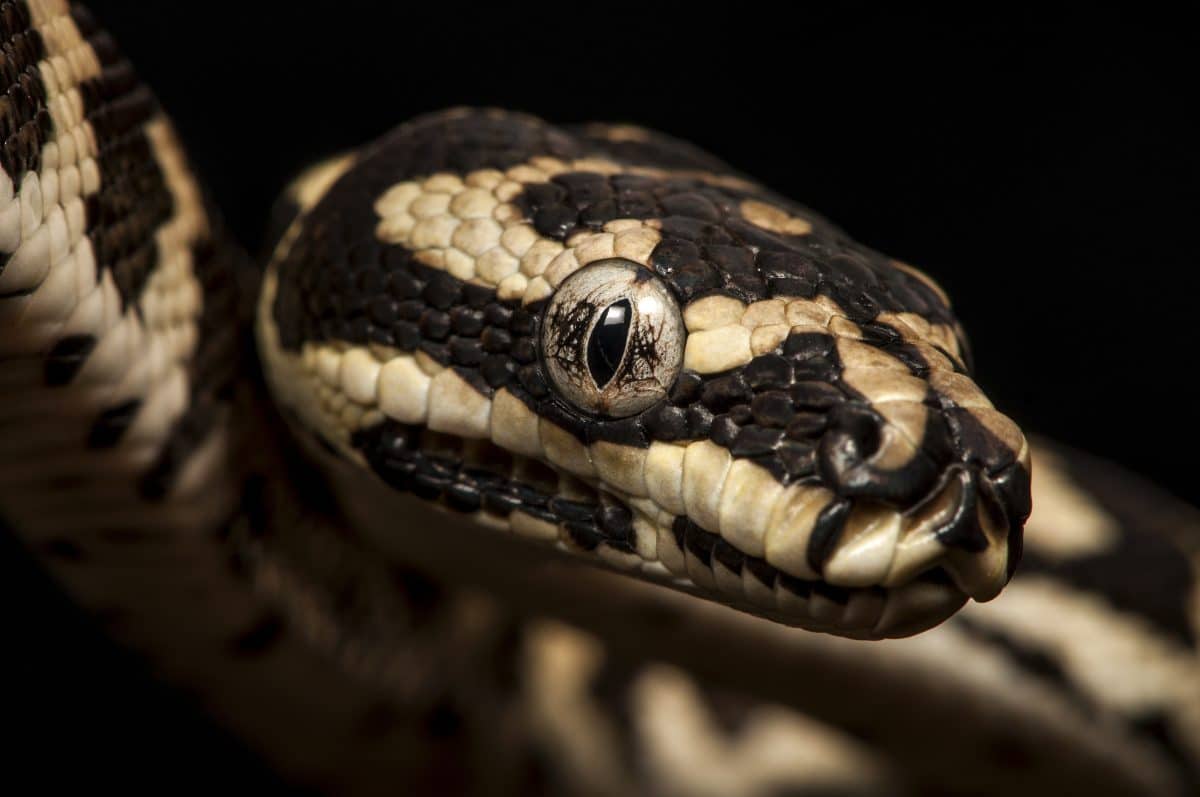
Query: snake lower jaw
pixel 509 558
pixel 868 613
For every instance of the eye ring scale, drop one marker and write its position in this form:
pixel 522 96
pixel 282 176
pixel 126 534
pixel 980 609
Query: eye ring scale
pixel 613 339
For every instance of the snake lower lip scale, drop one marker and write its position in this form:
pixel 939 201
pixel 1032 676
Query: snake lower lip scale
pixel 513 370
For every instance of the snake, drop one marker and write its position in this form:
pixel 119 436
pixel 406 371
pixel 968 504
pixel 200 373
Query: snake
pixel 555 459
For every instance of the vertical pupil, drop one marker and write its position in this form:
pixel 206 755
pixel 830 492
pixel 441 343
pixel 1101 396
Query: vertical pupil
pixel 607 343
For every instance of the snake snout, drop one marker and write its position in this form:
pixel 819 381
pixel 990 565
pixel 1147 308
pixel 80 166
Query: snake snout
pixel 845 488
pixel 953 498
pixel 978 509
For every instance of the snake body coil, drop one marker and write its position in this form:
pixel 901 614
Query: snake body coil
pixel 555 370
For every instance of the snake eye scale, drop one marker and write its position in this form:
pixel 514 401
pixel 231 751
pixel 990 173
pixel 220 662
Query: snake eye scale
pixel 580 404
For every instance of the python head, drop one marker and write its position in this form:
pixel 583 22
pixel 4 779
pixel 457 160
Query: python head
pixel 605 340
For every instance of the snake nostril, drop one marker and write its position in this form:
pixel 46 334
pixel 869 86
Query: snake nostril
pixel 853 435
pixel 854 459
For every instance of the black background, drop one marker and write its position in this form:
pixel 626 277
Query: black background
pixel 1040 167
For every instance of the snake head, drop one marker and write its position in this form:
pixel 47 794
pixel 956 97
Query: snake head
pixel 606 340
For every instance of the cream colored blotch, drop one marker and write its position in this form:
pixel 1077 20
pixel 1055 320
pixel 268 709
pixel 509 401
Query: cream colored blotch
pixel 404 390
pixel 746 505
pixel 457 408
pixel 705 467
pixel 514 426
pixel 664 476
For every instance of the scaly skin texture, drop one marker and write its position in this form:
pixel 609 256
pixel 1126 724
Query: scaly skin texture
pixel 807 446
pixel 819 455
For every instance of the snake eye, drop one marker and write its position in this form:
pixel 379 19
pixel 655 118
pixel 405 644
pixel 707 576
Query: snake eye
pixel 613 338
pixel 606 344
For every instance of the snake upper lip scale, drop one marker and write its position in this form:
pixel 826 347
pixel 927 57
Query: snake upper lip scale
pixel 671 371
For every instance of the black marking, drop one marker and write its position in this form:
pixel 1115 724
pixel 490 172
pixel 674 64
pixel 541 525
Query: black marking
pixel 764 573
pixel 1157 726
pixel 617 521
pixel 796 586
pixel 666 423
pixel 1141 573
pixel 214 366
pixel 707 246
pixel 679 530
pixel 827 530
pixel 839 595
pixel 804 425
pixel 755 441
pixel 962 530
pixel 1007 494
pixel 730 558
pixel 25 124
pixel 773 410
pixel 724 392
pixel 584 535
pixel 699 422
pixel 724 430
pixel 611 688
pixel 66 358
pixel 319 303
pixel 649 148
pixel 124 535
pixel 108 429
pixel 14 294
pixel 700 543
pixel 1031 659
pixel 846 450
pixel 64 549
pixel 134 201
pixel 1145 571
pixel 980 447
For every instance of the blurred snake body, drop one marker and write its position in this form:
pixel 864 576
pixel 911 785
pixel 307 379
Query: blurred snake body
pixel 559 459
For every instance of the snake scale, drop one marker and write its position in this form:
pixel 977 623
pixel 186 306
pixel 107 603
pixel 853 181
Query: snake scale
pixel 556 460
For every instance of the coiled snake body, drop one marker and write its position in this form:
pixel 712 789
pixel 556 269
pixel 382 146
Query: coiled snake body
pixel 578 440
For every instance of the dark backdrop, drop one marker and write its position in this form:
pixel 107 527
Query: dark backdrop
pixel 1040 167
